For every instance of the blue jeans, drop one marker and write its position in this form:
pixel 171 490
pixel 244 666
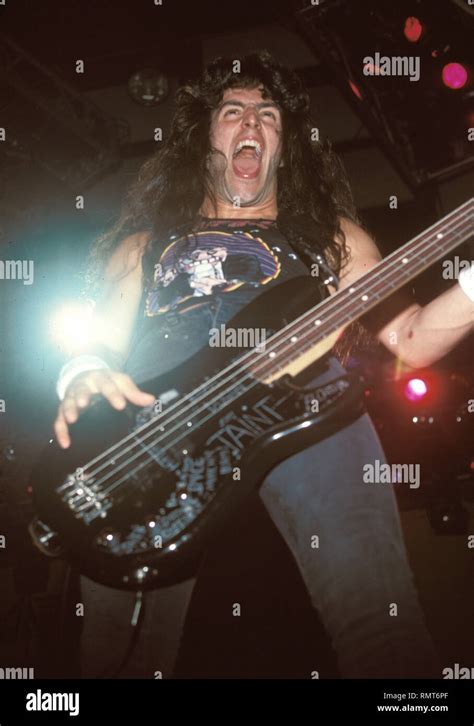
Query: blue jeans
pixel 358 577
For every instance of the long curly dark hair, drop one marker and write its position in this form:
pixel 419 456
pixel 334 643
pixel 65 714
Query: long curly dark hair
pixel 313 189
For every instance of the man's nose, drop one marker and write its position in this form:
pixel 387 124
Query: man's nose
pixel 251 117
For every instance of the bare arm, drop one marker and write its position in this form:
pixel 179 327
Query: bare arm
pixel 116 315
pixel 422 334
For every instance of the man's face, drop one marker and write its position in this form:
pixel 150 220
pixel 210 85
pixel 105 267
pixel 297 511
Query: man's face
pixel 248 131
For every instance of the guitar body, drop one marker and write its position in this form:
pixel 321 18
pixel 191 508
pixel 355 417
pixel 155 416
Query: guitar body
pixel 141 494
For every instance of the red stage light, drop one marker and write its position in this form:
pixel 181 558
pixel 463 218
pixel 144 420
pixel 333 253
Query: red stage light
pixel 415 389
pixel 355 90
pixel 454 75
pixel 413 29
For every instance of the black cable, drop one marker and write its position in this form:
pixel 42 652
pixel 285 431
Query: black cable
pixel 140 603
pixel 63 615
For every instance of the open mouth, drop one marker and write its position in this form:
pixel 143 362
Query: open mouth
pixel 247 158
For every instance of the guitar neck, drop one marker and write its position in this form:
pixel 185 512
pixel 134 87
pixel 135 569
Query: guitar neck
pixel 405 264
pixel 325 321
pixel 393 271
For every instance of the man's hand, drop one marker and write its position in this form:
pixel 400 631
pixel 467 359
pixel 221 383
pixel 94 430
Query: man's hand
pixel 116 387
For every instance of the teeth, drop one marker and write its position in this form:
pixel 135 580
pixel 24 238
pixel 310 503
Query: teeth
pixel 248 142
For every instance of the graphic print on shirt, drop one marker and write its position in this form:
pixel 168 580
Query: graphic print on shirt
pixel 209 262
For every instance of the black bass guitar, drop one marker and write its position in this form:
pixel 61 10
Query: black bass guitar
pixel 141 493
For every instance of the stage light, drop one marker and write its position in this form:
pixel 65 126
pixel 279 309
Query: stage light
pixel 355 90
pixel 73 327
pixel 413 29
pixel 148 87
pixel 415 389
pixel 454 76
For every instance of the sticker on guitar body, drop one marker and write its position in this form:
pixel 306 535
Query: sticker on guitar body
pixel 235 429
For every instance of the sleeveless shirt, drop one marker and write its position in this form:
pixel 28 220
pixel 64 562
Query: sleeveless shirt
pixel 200 281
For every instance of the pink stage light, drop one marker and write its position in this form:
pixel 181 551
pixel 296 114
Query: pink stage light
pixel 415 389
pixel 454 75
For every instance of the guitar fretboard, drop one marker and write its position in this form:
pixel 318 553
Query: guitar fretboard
pixel 380 282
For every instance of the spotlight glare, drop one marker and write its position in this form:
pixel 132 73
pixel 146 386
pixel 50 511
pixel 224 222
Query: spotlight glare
pixel 415 389
pixel 454 75
pixel 73 327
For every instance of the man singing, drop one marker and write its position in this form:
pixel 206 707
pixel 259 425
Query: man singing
pixel 238 199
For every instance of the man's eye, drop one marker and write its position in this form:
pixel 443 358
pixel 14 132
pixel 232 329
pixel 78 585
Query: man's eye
pixel 269 113
pixel 231 110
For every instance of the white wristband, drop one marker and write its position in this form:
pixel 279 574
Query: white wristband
pixel 466 280
pixel 77 365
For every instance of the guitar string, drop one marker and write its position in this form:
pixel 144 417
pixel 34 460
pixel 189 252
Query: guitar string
pixel 256 368
pixel 96 484
pixel 330 303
